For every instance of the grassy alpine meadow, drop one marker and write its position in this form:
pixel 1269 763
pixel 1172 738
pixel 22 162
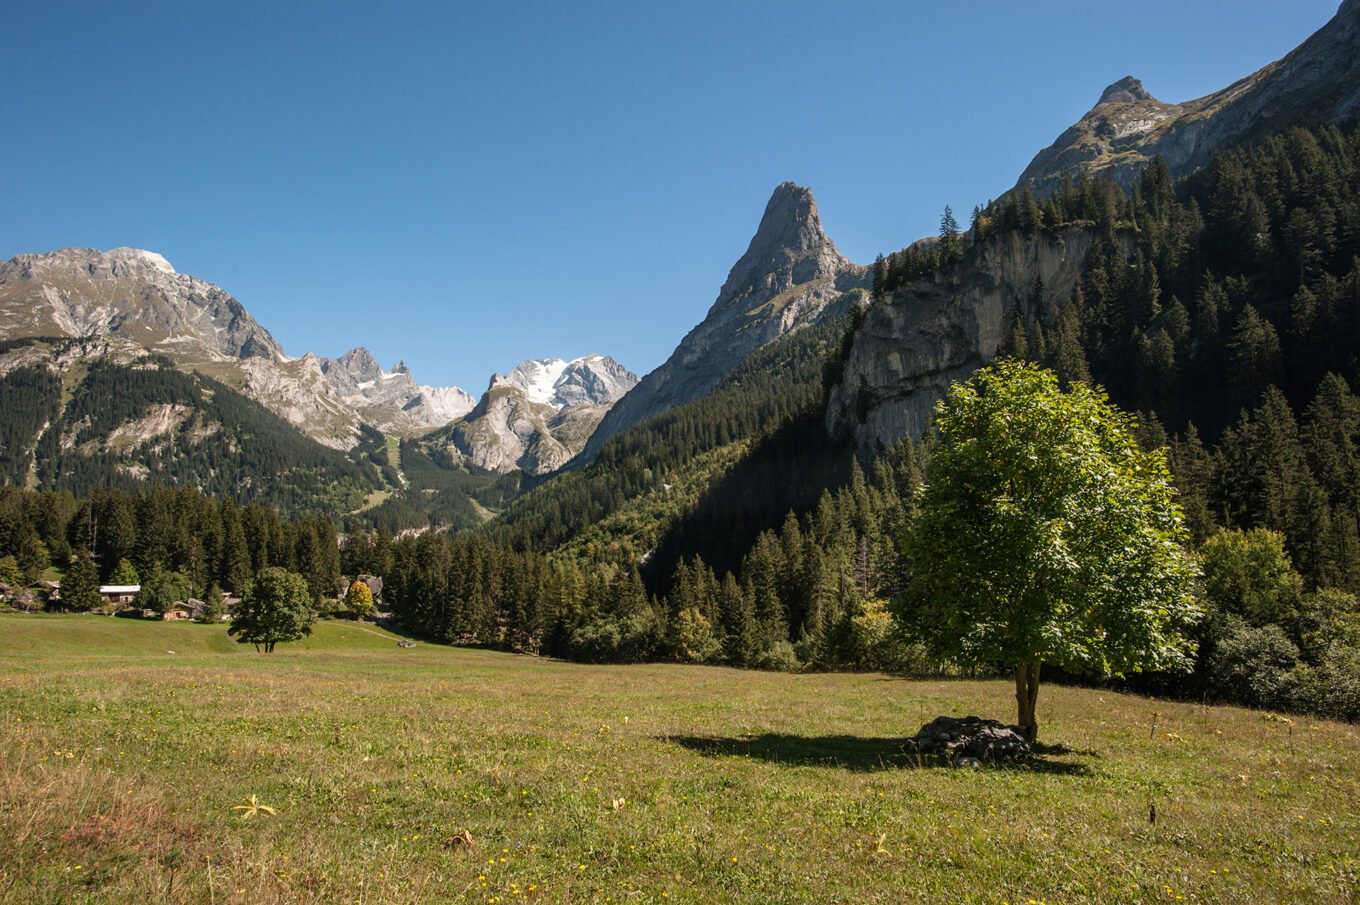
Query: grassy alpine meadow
pixel 162 762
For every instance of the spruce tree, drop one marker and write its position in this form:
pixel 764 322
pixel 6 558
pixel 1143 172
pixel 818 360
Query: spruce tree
pixel 80 586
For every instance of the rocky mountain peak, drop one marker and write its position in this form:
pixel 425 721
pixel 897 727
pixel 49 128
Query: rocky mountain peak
pixel 539 414
pixel 130 293
pixel 593 380
pixel 589 380
pixel 788 249
pixel 357 362
pixel 1127 90
pixel 390 400
pixel 790 222
pixel 138 257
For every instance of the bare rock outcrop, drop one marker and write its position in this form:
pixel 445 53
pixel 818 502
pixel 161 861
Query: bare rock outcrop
pixel 937 330
pixel 969 739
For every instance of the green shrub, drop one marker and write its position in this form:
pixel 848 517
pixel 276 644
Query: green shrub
pixel 612 639
pixel 1332 687
pixel 691 638
pixel 1251 666
pixel 779 657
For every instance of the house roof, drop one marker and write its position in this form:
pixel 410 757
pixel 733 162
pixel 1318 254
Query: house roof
pixel 120 588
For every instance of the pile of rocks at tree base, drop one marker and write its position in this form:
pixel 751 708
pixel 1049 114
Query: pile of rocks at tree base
pixel 969 739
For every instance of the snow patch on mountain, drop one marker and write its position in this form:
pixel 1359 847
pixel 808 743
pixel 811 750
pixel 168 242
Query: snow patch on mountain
pixel 589 380
pixel 537 378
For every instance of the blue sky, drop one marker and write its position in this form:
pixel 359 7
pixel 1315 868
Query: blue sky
pixel 465 185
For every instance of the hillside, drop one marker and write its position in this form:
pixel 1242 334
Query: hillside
pixel 641 478
pixel 126 746
pixel 85 416
pixel 135 301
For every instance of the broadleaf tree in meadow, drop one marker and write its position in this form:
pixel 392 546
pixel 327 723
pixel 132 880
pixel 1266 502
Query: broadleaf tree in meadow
pixel 278 608
pixel 1046 535
pixel 359 600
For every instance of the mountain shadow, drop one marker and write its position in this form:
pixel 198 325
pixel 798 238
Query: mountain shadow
pixel 787 470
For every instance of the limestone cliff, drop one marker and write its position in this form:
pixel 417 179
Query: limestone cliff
pixel 913 344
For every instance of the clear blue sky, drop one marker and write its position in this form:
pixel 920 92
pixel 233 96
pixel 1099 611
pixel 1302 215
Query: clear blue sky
pixel 465 185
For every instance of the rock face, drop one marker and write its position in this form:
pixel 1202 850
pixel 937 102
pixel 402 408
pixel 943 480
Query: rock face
pixel 969 737
pixel 138 302
pixel 129 293
pixel 1318 82
pixel 391 400
pixel 790 276
pixel 537 416
pixel 912 345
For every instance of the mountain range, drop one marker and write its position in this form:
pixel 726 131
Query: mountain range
pixel 547 413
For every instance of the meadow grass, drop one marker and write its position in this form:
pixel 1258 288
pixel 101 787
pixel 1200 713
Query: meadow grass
pixel 125 747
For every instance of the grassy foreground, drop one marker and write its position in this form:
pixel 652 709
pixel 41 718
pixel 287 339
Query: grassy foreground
pixel 124 747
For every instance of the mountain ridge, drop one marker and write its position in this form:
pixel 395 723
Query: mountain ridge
pixel 137 296
pixel 1317 82
pixel 535 417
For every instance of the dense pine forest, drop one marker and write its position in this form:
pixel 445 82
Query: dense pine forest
pixel 130 537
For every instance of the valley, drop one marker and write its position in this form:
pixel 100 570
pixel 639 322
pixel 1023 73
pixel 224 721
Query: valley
pixel 601 636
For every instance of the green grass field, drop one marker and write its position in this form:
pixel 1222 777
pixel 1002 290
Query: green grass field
pixel 126 745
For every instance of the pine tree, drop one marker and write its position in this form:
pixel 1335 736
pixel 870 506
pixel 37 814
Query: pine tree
pixel 741 641
pixel 1254 350
pixel 80 586
pixel 125 574
pixel 951 244
pixel 235 569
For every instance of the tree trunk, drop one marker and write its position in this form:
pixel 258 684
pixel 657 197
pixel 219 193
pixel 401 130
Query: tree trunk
pixel 1027 698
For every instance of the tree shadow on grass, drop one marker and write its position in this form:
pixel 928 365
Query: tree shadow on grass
pixel 849 752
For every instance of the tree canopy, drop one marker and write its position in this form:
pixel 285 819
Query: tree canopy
pixel 1046 535
pixel 278 608
pixel 359 600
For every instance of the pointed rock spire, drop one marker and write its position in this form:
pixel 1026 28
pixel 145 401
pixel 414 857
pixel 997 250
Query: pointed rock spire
pixel 790 276
pixel 1127 90
pixel 788 248
pixel 790 221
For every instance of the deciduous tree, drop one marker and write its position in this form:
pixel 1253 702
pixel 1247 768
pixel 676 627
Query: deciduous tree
pixel 359 600
pixel 1046 535
pixel 278 608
